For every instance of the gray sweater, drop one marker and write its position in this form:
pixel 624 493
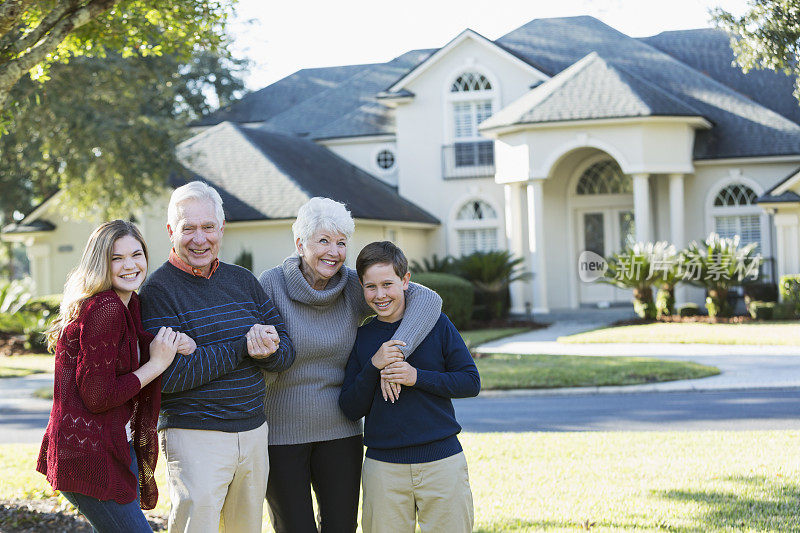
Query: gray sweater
pixel 302 403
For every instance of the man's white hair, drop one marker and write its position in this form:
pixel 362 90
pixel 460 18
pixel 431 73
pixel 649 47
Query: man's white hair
pixel 322 214
pixel 195 190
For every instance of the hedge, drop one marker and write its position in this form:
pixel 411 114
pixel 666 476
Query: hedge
pixel 458 295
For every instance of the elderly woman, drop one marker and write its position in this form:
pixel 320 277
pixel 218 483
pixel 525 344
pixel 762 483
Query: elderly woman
pixel 311 442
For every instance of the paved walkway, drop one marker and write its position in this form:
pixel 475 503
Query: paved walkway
pixel 742 367
pixel 23 416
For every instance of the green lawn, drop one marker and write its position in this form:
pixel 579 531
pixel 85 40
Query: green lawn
pixel 476 337
pixel 511 371
pixel 653 481
pixel 24 365
pixel 785 333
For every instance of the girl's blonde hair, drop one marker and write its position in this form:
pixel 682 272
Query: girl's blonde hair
pixel 92 275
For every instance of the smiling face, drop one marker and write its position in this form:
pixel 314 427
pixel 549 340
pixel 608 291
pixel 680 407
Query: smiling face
pixel 322 256
pixel 128 266
pixel 197 234
pixel 383 290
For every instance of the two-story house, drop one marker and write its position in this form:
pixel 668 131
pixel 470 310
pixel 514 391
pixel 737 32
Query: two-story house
pixel 562 136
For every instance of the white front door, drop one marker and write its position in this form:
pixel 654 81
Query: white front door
pixel 603 231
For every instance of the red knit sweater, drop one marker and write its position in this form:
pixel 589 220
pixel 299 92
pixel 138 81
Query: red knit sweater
pixel 85 448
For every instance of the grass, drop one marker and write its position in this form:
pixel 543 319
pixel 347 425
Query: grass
pixel 25 365
pixel 476 337
pixel 504 371
pixel 650 481
pixel 787 333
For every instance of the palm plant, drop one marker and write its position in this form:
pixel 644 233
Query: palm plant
pixel 664 265
pixel 14 294
pixel 445 264
pixel 491 273
pixel 718 264
pixel 632 268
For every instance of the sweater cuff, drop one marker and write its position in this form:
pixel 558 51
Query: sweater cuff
pixel 426 380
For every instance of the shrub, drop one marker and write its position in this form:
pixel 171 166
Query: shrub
pixel 50 303
pixel 446 264
pixel 760 291
pixel 717 265
pixel 783 311
pixel 458 295
pixel 635 268
pixel 761 310
pixel 790 291
pixel 244 259
pixel 665 302
pixel 491 273
pixel 689 310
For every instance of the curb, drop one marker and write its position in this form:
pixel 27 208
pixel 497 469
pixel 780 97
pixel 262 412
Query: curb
pixel 635 389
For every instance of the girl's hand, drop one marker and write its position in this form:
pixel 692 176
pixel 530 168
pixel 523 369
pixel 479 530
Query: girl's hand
pixel 164 347
pixel 400 372
pixel 186 345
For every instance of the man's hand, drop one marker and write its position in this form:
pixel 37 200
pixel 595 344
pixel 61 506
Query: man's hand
pixel 262 341
pixel 186 344
pixel 388 353
pixel 401 373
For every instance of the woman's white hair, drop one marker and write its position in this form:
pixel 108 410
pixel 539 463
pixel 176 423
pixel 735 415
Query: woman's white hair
pixel 195 190
pixel 322 214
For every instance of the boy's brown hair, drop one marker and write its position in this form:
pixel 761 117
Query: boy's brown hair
pixel 381 252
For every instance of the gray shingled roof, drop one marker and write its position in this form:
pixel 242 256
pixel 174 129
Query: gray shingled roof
pixel 269 175
pixel 590 89
pixel 262 105
pixel 29 227
pixel 787 196
pixel 708 51
pixel 742 127
pixel 350 109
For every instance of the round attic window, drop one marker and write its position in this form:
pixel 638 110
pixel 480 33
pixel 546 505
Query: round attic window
pixel 385 159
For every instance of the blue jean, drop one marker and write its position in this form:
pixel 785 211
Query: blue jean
pixel 108 516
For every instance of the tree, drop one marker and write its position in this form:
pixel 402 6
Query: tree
pixel 104 130
pixel 767 36
pixel 36 34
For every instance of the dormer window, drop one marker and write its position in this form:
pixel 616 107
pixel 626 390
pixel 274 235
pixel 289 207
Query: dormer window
pixel 470 81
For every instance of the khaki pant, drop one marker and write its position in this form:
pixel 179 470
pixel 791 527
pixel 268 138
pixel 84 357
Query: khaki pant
pixel 437 494
pixel 213 474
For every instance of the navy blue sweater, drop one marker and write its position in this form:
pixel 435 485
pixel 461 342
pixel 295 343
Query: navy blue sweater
pixel 421 426
pixel 218 387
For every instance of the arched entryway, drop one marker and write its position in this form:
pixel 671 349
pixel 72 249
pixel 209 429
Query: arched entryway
pixel 600 199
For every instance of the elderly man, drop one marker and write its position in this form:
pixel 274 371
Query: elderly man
pixel 212 427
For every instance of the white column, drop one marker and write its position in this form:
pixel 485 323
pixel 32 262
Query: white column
pixel 676 226
pixel 39 255
pixel 515 235
pixel 786 235
pixel 641 206
pixel 676 214
pixel 536 243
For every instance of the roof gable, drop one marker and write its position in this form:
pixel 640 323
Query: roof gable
pixel 590 89
pixel 420 69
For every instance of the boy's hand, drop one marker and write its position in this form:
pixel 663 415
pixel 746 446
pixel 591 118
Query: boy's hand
pixel 388 353
pixel 400 372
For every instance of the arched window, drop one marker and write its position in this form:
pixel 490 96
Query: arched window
pixel 735 213
pixel 470 81
pixel 472 98
pixel 604 177
pixel 476 226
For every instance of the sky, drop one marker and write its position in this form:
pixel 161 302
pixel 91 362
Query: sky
pixel 282 37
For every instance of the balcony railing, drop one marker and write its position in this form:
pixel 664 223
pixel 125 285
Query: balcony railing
pixel 468 160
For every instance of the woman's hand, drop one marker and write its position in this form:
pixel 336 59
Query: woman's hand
pixel 164 347
pixel 262 341
pixel 388 353
pixel 400 372
pixel 186 344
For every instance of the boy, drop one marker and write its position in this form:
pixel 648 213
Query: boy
pixel 414 466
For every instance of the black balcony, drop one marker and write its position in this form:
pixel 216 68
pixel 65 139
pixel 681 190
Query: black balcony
pixel 468 160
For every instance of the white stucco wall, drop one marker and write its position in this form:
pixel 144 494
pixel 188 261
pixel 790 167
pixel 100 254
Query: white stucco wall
pixel 363 154
pixel 424 126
